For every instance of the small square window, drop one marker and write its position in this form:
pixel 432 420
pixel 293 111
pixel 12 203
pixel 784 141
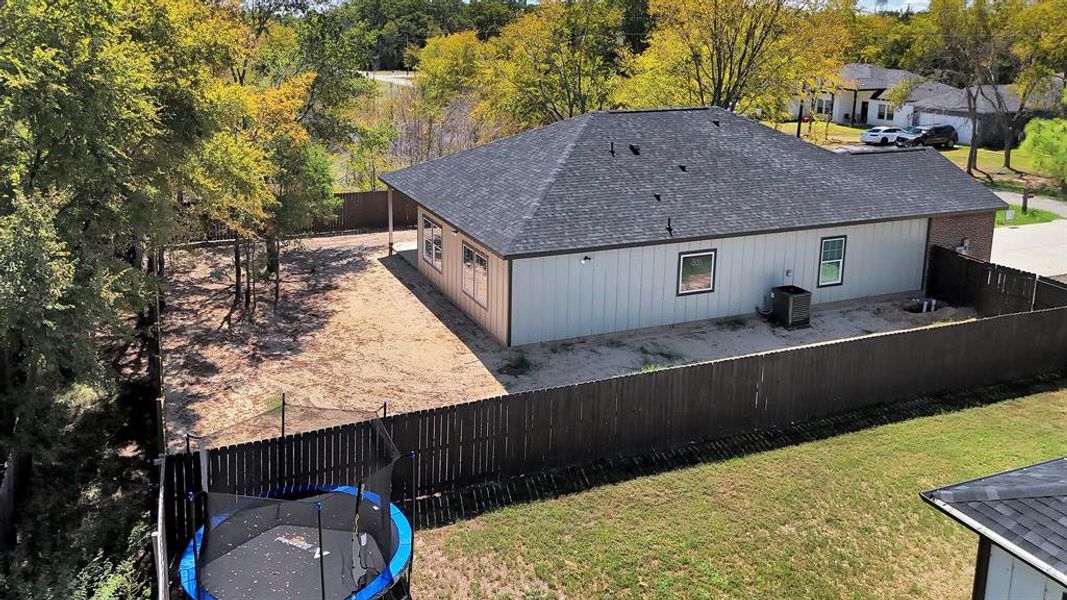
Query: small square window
pixel 696 272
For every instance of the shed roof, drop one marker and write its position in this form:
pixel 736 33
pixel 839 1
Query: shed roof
pixel 617 178
pixel 1023 511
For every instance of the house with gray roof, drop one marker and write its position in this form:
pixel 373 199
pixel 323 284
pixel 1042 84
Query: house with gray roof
pixel 950 108
pixel 860 97
pixel 1020 517
pixel 619 220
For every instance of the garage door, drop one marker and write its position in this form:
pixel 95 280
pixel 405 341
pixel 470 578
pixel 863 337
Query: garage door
pixel 962 124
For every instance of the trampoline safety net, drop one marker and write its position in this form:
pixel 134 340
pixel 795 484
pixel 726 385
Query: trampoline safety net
pixel 303 542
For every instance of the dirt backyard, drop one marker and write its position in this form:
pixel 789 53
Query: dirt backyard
pixel 355 328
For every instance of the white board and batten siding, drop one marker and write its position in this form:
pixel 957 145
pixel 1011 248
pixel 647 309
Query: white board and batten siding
pixel 449 280
pixel 558 297
pixel 1009 578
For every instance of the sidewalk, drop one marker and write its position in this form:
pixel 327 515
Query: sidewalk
pixel 1040 248
pixel 1050 204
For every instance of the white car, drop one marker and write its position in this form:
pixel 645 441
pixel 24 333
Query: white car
pixel 881 135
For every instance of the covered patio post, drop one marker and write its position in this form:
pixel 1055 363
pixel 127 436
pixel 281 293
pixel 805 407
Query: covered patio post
pixel 389 203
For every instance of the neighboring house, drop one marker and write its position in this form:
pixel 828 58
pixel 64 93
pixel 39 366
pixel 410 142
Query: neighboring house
pixel 1021 519
pixel 860 98
pixel 950 108
pixel 620 220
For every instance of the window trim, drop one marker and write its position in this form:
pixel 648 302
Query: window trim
pixel 841 271
pixel 714 252
pixel 422 251
pixel 474 279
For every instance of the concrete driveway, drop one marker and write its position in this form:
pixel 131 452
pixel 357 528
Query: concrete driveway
pixel 1040 248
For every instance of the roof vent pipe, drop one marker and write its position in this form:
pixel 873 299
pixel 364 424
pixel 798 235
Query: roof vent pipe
pixel 635 148
pixel 716 122
pixel 612 150
pixel 682 167
pixel 670 231
pixel 658 197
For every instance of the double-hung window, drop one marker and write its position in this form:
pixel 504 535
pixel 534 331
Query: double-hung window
pixel 832 261
pixel 431 243
pixel 696 272
pixel 885 112
pixel 476 275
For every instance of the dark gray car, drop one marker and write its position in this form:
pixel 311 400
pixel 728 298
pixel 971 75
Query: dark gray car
pixel 939 136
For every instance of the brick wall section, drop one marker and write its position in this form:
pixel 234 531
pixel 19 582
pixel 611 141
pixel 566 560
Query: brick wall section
pixel 949 232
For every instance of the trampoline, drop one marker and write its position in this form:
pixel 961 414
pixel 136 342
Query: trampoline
pixel 268 547
pixel 304 542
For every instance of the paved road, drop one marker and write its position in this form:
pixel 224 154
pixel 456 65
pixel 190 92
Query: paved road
pixel 1050 204
pixel 1040 248
pixel 401 78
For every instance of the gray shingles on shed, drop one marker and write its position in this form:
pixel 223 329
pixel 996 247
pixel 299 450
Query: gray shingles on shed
pixel 1026 507
pixel 560 188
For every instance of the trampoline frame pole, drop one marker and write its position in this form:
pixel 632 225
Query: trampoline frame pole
pixel 282 475
pixel 355 526
pixel 196 551
pixel 414 521
pixel 322 555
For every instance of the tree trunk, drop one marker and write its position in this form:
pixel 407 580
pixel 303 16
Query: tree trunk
pixel 272 245
pixel 236 270
pixel 277 273
pixel 1009 144
pixel 161 263
pixel 248 276
pixel 11 490
pixel 149 334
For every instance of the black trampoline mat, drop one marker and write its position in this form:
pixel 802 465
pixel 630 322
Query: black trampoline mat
pixel 282 563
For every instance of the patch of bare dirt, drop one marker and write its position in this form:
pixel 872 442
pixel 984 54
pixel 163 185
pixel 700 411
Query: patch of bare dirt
pixel 355 328
pixel 347 334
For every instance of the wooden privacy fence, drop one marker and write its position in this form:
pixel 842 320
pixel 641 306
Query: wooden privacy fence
pixel 362 211
pixel 541 430
pixel 358 211
pixel 991 289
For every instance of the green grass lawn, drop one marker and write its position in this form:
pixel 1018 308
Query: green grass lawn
pixel 837 518
pixel 992 161
pixel 989 162
pixel 1031 217
pixel 820 134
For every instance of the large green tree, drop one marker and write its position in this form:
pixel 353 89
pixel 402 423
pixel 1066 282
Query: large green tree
pixel 556 62
pixel 101 106
pixel 738 54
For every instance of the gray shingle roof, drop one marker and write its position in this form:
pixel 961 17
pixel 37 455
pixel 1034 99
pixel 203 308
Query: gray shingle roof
pixel 863 76
pixel 988 98
pixel 559 188
pixel 1025 508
